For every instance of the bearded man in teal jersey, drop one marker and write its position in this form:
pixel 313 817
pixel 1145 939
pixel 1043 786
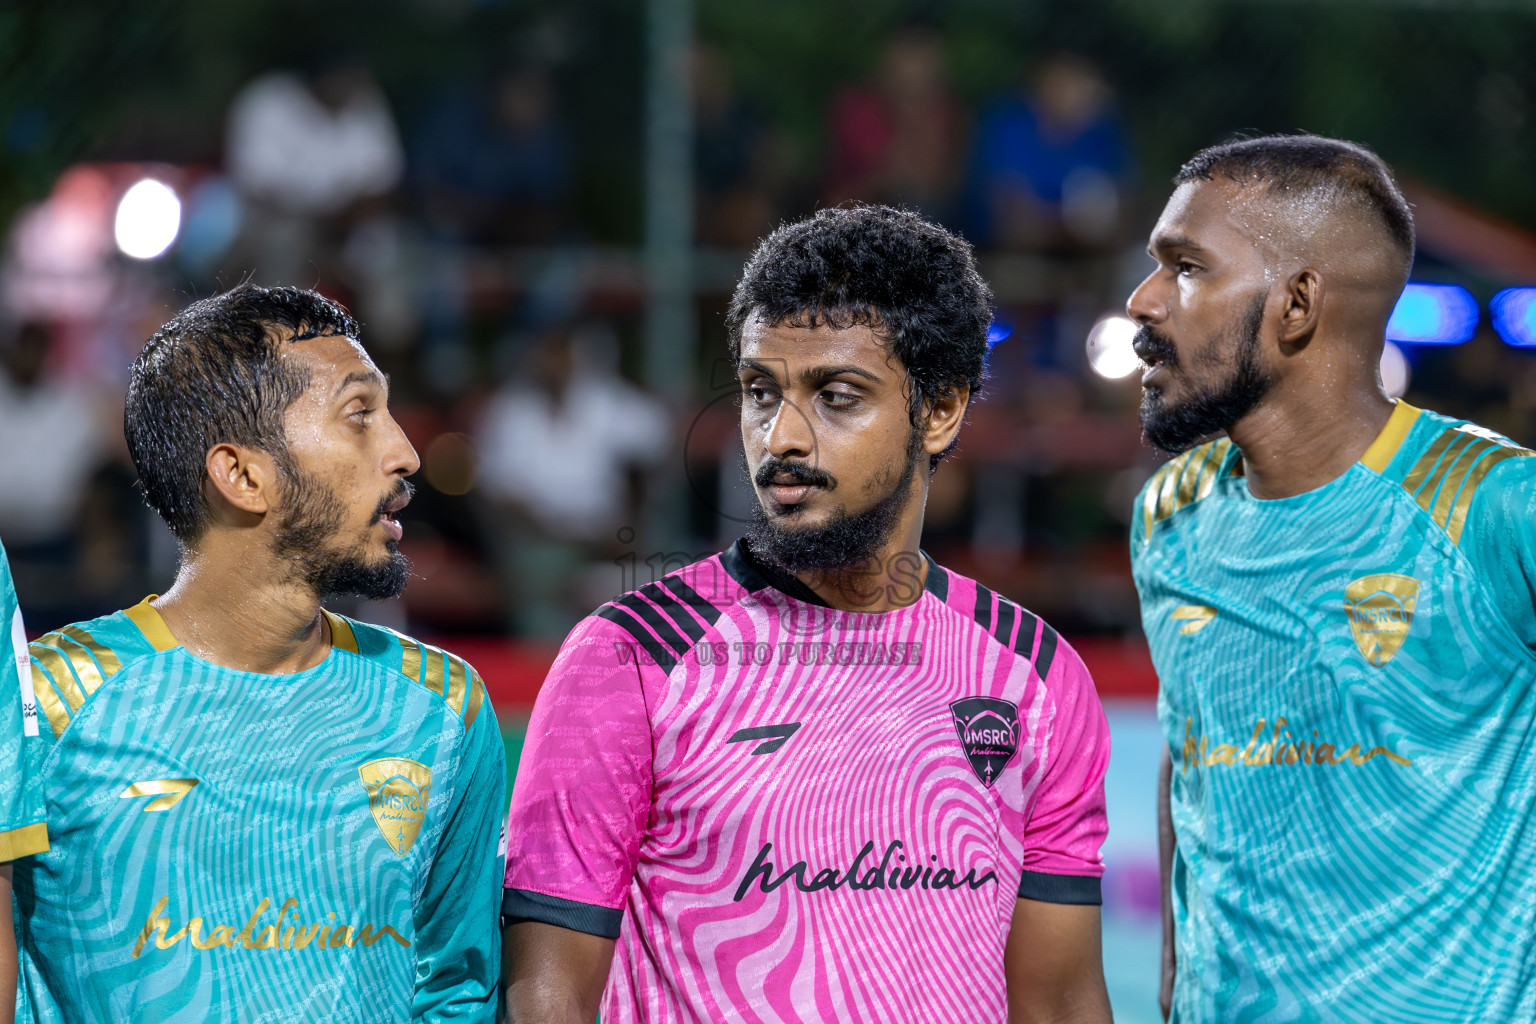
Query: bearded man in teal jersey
pixel 256 809
pixel 1340 597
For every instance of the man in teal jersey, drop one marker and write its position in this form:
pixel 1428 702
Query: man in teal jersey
pixel 23 828
pixel 259 810
pixel 1340 597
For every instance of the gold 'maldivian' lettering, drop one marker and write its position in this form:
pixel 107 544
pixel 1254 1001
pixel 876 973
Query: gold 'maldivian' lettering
pixel 1277 749
pixel 158 927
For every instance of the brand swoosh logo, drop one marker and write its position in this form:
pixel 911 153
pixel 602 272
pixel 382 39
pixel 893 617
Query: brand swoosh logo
pixel 167 792
pixel 776 735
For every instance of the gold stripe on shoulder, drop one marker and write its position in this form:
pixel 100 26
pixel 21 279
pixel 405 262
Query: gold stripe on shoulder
pixel 1454 475
pixel 1391 438
pixel 436 670
pixel 1456 516
pixel 341 632
pixel 58 667
pixel 48 699
pixel 1428 461
pixel 110 664
pixel 79 659
pixel 410 658
pixel 144 616
pixel 458 680
pixel 1183 481
pixel 476 698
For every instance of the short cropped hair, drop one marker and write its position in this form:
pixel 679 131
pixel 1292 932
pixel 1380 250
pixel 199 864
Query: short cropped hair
pixel 214 375
pixel 1344 171
pixel 913 283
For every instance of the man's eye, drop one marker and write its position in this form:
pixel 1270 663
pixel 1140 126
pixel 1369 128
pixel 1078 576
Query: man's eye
pixel 363 414
pixel 838 399
pixel 1185 268
pixel 759 394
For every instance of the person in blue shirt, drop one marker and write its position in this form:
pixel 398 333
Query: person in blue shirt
pixel 259 810
pixel 1340 597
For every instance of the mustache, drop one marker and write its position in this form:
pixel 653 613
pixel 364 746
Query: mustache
pixel 799 472
pixel 1152 346
pixel 403 489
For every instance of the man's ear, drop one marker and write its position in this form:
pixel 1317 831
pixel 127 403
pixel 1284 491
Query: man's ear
pixel 944 419
pixel 1303 308
pixel 242 483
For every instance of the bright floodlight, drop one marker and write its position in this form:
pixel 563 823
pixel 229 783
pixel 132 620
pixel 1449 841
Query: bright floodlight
pixel 1514 315
pixel 148 218
pixel 1109 347
pixel 1394 370
pixel 1433 314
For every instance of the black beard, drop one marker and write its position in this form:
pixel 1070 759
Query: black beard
pixel 843 542
pixel 1176 428
pixel 311 516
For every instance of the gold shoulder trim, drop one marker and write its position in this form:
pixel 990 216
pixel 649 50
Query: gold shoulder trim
pixel 1444 480
pixel 341 632
pixel 54 708
pixel 446 675
pixel 23 842
pixel 1391 438
pixel 151 624
pixel 1183 481
pixel 476 698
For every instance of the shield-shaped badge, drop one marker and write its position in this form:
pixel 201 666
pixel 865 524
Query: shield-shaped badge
pixel 989 732
pixel 1380 610
pixel 397 795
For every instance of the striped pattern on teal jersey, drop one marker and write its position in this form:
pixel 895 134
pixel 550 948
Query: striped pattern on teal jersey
pixel 23 828
pixel 1352 783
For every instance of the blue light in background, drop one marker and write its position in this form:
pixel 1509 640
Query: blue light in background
pixel 999 331
pixel 1433 314
pixel 1514 315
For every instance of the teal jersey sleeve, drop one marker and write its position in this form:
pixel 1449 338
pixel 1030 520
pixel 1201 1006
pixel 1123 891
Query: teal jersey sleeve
pixel 1500 541
pixel 23 825
pixel 458 918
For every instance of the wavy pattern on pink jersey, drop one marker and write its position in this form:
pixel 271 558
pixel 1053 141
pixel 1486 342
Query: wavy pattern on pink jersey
pixel 876 760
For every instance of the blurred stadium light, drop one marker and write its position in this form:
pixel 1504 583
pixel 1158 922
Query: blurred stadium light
pixel 148 219
pixel 1514 316
pixel 1109 348
pixel 1433 314
pixel 1395 372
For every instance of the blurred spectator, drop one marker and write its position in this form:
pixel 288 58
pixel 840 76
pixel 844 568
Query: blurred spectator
pixel 52 443
pixel 1048 163
pixel 494 165
pixel 302 152
pixel 556 446
pixel 895 139
pixel 58 260
pixel 731 154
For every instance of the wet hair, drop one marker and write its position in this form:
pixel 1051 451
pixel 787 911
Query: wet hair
pixel 909 280
pixel 214 375
pixel 1343 172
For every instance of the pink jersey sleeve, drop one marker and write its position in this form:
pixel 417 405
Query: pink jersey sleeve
pixel 1068 824
pixel 582 795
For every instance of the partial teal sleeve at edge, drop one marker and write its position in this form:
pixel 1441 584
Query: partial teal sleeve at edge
pixel 1500 541
pixel 458 918
pixel 21 799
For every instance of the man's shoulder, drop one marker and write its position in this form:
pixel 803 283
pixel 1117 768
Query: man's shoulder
pixel 71 663
pixel 1017 629
pixel 414 663
pixel 660 622
pixel 1179 484
pixel 1451 467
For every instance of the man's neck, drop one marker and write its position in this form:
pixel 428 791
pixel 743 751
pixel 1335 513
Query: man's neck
pixel 894 577
pixel 220 610
pixel 1303 437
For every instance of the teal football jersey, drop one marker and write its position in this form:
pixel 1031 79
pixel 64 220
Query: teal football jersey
pixel 23 823
pixel 1347 692
pixel 238 846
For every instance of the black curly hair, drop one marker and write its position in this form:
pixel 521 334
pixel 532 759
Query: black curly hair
pixel 911 281
pixel 214 375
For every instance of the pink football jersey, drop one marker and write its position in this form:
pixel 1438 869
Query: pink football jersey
pixel 789 813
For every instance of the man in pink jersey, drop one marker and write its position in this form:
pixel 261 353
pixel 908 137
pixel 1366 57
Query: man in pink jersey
pixel 818 777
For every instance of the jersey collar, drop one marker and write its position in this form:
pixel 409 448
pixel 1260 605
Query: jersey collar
pixel 1379 455
pixel 152 625
pixel 755 575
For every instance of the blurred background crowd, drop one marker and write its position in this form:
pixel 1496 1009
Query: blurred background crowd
pixel 538 209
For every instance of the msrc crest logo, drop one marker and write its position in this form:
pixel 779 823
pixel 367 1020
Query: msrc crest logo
pixel 989 732
pixel 1380 611
pixel 398 789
